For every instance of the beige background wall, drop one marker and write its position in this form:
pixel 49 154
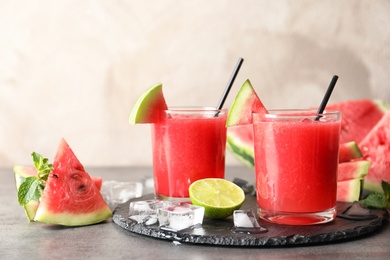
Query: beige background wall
pixel 74 69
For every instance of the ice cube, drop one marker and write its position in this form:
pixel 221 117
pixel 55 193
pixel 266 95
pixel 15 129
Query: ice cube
pixel 115 192
pixel 245 221
pixel 145 211
pixel 178 216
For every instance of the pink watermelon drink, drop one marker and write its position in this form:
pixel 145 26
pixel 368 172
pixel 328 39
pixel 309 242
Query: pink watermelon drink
pixel 296 160
pixel 188 145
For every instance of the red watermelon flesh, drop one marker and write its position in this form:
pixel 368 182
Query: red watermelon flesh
pixel 245 103
pixel 349 190
pixel 349 151
pixel 376 148
pixel 358 117
pixel 22 172
pixel 71 197
pixel 353 170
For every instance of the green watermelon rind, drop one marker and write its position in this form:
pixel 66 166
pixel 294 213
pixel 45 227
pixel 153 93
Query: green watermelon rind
pixel 60 204
pixel 349 151
pixel 242 152
pixel 245 103
pixel 31 207
pixel 352 187
pixel 355 170
pixel 382 105
pixel 147 109
pixel 69 219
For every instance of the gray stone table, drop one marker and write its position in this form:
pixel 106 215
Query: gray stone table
pixel 20 239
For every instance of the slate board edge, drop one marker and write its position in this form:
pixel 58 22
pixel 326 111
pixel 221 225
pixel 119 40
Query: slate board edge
pixel 248 240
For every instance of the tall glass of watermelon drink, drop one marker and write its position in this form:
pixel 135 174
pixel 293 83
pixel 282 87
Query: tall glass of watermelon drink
pixel 188 145
pixel 296 158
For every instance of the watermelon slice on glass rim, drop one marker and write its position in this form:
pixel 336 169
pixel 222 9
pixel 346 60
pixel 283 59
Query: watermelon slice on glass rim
pixel 240 137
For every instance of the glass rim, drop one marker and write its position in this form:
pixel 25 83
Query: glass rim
pixel 288 113
pixel 194 109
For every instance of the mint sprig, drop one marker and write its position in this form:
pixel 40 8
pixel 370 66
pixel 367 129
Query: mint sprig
pixel 42 166
pixel 31 188
pixel 378 200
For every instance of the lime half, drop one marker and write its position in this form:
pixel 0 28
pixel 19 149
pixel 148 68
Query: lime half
pixel 219 197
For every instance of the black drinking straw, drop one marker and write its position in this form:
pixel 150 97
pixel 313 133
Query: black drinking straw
pixel 230 83
pixel 327 96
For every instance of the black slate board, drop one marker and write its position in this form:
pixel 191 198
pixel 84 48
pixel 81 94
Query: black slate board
pixel 218 232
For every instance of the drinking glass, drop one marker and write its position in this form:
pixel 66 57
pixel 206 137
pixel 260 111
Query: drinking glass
pixel 296 161
pixel 188 145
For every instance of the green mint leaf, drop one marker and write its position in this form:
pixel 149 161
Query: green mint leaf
pixel 386 191
pixel 42 166
pixel 374 200
pixel 30 189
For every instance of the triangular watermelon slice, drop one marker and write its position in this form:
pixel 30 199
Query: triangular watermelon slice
pixel 23 172
pixel 245 103
pixel 358 117
pixel 70 197
pixel 376 148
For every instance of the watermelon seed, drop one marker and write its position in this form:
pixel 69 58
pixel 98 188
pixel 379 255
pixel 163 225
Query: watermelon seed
pixel 81 187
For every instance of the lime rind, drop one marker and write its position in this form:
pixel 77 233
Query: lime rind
pixel 145 109
pixel 219 197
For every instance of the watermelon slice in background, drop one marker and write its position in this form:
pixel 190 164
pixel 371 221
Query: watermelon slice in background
pixel 239 141
pixel 70 197
pixel 376 148
pixel 349 151
pixel 349 190
pixel 358 117
pixel 353 170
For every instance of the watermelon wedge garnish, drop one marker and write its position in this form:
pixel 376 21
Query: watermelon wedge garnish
pixel 149 106
pixel 71 197
pixel 245 103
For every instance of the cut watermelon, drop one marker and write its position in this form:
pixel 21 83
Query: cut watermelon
pixel 349 151
pixel 149 106
pixel 376 148
pixel 21 173
pixel 349 191
pixel 243 105
pixel 70 197
pixel 353 170
pixel 358 117
pixel 240 142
